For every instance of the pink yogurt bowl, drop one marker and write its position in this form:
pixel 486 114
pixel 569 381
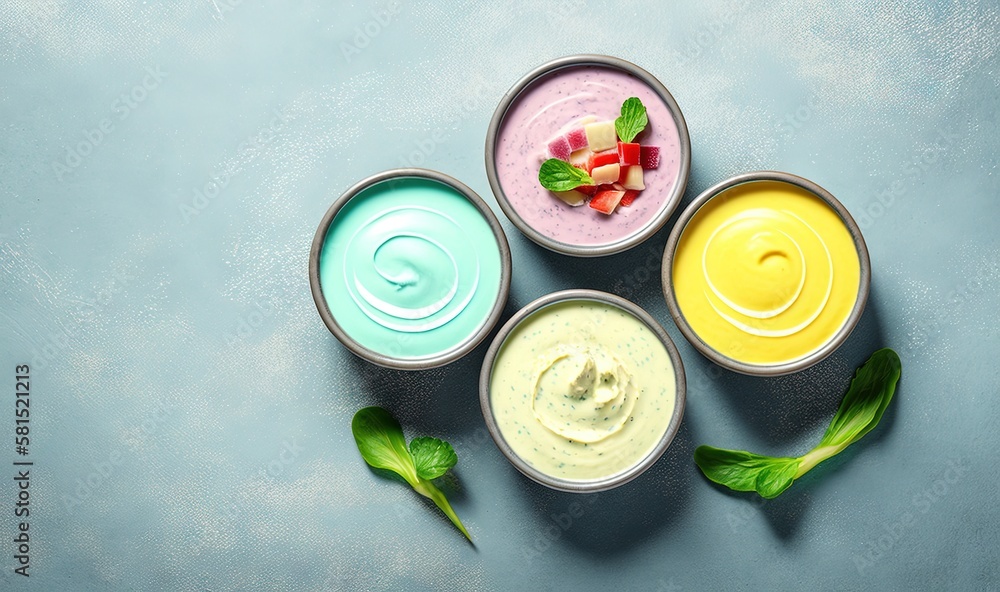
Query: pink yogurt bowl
pixel 547 102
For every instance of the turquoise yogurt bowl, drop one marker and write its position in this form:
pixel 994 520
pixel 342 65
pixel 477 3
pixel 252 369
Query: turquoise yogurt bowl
pixel 410 269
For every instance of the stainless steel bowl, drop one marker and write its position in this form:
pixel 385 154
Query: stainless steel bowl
pixel 669 204
pixel 387 359
pixel 628 473
pixel 730 362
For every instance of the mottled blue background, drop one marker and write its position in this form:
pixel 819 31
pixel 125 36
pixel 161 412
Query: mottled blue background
pixel 164 165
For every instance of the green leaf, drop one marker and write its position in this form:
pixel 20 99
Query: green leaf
pixel 432 457
pixel 427 489
pixel 559 175
pixel 745 471
pixel 632 120
pixel 381 442
pixel 866 399
pixel 860 411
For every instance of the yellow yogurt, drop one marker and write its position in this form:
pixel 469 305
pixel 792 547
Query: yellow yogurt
pixel 582 390
pixel 766 273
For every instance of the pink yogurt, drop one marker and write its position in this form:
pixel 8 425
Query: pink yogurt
pixel 550 104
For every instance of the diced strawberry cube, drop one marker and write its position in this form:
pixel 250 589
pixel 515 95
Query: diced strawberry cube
pixel 603 158
pixel 559 148
pixel 606 201
pixel 649 156
pixel 628 198
pixel 628 154
pixel 577 139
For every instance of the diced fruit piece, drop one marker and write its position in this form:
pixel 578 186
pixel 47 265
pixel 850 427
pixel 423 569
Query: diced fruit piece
pixel 587 189
pixel 571 197
pixel 601 135
pixel 559 148
pixel 606 201
pixel 632 178
pixel 605 174
pixel 628 154
pixel 587 119
pixel 577 139
pixel 649 157
pixel 603 158
pixel 629 197
pixel 581 159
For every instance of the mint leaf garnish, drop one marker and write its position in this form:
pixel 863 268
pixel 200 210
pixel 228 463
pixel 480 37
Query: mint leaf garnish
pixel 632 120
pixel 381 442
pixel 559 175
pixel 432 457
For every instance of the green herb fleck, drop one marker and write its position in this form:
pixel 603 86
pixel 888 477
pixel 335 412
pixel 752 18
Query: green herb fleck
pixel 559 175
pixel 381 442
pixel 632 120
pixel 860 411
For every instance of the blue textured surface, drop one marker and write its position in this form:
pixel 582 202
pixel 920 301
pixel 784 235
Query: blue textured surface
pixel 190 412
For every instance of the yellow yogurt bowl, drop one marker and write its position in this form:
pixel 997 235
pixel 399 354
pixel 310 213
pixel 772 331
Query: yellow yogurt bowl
pixel 766 273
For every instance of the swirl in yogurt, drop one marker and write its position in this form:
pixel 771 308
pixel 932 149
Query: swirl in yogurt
pixel 766 273
pixel 410 268
pixel 406 278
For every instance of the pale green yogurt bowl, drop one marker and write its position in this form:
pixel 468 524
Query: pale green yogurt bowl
pixel 582 391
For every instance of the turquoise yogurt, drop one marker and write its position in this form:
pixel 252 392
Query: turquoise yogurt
pixel 412 268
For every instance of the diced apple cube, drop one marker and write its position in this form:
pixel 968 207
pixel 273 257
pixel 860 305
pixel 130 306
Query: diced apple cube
pixel 605 174
pixel 632 178
pixel 572 197
pixel 577 139
pixel 649 157
pixel 581 159
pixel 559 148
pixel 601 135
pixel 628 153
pixel 606 201
pixel 628 198
pixel 587 189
